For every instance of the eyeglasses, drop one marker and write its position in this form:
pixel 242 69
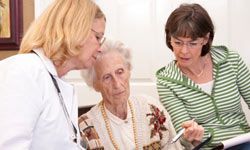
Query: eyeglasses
pixel 99 37
pixel 179 44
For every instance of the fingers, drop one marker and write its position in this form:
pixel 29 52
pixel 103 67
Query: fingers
pixel 193 131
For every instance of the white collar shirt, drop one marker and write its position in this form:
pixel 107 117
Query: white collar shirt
pixel 31 116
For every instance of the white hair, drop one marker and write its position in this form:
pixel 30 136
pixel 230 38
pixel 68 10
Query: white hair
pixel 89 75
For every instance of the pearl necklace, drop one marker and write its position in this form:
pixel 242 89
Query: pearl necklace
pixel 107 124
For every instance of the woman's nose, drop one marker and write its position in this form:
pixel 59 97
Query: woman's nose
pixel 116 82
pixel 184 48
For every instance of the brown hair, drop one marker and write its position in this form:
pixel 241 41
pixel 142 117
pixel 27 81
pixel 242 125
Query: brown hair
pixel 191 21
pixel 61 28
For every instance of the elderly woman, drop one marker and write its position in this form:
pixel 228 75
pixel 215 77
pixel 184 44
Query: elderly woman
pixel 123 122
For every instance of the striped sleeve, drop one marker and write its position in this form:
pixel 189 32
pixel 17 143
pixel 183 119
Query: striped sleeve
pixel 243 81
pixel 175 106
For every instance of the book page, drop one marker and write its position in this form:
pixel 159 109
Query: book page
pixel 236 140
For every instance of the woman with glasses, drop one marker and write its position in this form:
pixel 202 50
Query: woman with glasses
pixel 38 108
pixel 204 82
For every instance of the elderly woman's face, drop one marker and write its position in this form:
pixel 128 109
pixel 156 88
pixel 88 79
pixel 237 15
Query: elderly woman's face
pixel 112 77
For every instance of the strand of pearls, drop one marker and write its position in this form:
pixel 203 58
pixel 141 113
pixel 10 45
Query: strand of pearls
pixel 107 124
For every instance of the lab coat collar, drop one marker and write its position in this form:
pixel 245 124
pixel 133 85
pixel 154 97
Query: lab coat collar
pixel 46 61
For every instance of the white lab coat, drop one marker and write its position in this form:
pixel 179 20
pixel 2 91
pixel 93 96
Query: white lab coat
pixel 31 116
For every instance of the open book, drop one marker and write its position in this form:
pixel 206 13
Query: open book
pixel 234 141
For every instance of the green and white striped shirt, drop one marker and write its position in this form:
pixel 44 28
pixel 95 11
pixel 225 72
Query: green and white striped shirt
pixel 220 112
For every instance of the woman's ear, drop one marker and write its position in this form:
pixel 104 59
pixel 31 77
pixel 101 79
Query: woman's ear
pixel 206 38
pixel 208 34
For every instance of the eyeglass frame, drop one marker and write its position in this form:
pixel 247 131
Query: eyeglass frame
pixel 99 37
pixel 189 44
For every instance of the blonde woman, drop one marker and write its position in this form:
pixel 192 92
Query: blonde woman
pixel 38 108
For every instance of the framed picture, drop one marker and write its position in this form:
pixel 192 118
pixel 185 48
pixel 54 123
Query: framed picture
pixel 11 24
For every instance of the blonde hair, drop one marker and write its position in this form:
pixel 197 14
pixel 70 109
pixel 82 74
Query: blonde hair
pixel 61 28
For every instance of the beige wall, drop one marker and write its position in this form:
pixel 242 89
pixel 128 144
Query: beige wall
pixel 28 16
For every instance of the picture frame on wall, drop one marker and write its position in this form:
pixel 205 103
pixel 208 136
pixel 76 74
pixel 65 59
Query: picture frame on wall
pixel 11 24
